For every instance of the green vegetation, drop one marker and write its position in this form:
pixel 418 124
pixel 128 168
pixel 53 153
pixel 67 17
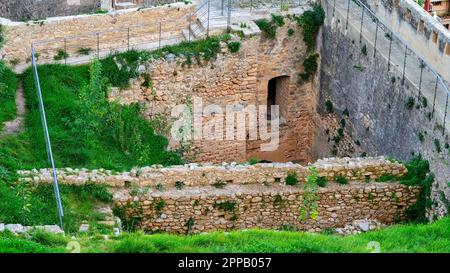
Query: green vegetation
pixel 308 209
pixel 311 21
pixel 322 181
pixel 402 238
pixel 437 145
pixel 419 175
pixel 364 50
pixel 61 55
pixel 226 206
pixel 410 102
pixel 291 178
pixel 8 86
pixel 253 161
pixel 234 46
pixel 310 67
pixel 269 28
pixel 386 177
pixel 341 180
pixel 84 51
pixel 329 106
pixel 290 32
pixel 2 38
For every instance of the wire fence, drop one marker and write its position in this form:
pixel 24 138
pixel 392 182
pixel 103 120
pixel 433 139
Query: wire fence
pixel 378 39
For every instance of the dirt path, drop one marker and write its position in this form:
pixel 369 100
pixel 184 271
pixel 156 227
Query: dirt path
pixel 14 126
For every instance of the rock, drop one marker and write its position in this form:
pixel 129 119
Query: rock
pixel 53 229
pixel 15 228
pixel 84 228
pixel 2 227
pixel 363 225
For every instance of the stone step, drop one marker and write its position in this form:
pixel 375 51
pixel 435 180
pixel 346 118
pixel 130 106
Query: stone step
pixel 124 5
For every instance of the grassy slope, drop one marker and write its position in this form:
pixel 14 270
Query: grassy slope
pixel 403 238
pixel 8 85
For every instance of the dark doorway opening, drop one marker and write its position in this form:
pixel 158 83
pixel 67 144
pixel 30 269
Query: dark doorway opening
pixel 271 96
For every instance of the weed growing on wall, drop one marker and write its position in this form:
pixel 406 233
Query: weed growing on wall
pixel 308 210
pixel 269 28
pixel 419 175
pixel 2 36
pixel 234 46
pixel 311 21
pixel 310 67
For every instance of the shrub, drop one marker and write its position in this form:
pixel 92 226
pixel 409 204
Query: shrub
pixel 220 184
pixel 410 102
pixel 329 106
pixel 310 66
pixel 234 46
pixel 421 137
pixel 84 51
pixel 253 161
pixel 419 175
pixel 437 145
pixel 179 185
pixel 290 32
pixel 386 177
pixel 268 28
pixel 322 181
pixel 226 206
pixel 291 178
pixel 341 179
pixel 310 21
pixel 278 20
pixel 61 55
pixel 364 50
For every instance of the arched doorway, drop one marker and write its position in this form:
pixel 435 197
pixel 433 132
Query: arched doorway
pixel 278 94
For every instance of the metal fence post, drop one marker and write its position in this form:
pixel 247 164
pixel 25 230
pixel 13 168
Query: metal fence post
pixel 404 64
pixel 128 37
pixel 223 5
pixel 435 93
pixel 251 5
pixel 98 45
pixel 334 6
pixel 375 43
pixel 189 28
pixel 159 38
pixel 362 21
pixel 229 16
pixel 209 9
pixel 348 9
pixel 422 65
pixel 65 51
pixel 390 49
pixel 445 116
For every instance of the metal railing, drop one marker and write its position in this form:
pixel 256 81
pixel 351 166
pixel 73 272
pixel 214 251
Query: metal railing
pixel 356 19
pixel 48 144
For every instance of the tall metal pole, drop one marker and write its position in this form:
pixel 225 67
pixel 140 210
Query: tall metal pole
pixel 229 16
pixel 128 37
pixel 47 139
pixel 404 64
pixel 334 6
pixel 209 9
pixel 445 116
pixel 375 43
pixel 390 49
pixel 435 93
pixel 348 9
pixel 362 21
pixel 422 65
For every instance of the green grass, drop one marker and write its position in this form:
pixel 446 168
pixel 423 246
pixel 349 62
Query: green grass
pixel 433 237
pixel 8 86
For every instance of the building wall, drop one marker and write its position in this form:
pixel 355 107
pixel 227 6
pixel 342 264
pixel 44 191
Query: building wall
pixel 376 100
pixel 75 32
pixel 41 9
pixel 237 78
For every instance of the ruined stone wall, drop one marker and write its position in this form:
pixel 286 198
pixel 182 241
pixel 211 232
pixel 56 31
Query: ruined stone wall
pixel 376 101
pixel 75 32
pixel 230 196
pixel 266 207
pixel 41 9
pixel 353 169
pixel 237 78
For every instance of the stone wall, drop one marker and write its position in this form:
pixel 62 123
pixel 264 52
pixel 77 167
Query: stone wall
pixel 41 9
pixel 75 32
pixel 353 169
pixel 419 29
pixel 230 196
pixel 376 101
pixel 237 78
pixel 206 209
